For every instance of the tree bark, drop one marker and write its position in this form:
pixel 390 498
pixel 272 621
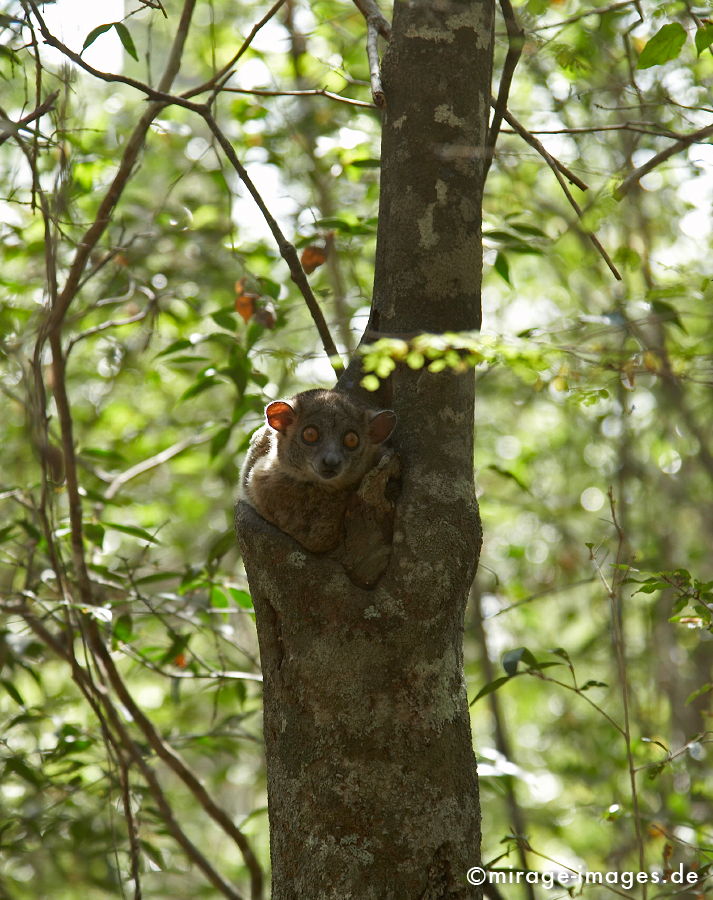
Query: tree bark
pixel 372 783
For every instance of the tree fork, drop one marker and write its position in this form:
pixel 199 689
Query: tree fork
pixel 371 776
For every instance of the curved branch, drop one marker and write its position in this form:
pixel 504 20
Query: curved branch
pixel 516 38
pixel 315 92
pixel 559 170
pixel 682 144
pixel 376 25
pixel 25 120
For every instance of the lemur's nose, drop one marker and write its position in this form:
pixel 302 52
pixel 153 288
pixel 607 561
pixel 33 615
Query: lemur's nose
pixel 330 464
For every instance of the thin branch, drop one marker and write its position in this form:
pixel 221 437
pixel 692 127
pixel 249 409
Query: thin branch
pixel 287 250
pixel 152 463
pixel 551 161
pixel 558 170
pixel 224 73
pixel 599 11
pixel 618 638
pixel 112 323
pixel 131 153
pixel 638 127
pixel 25 120
pixel 682 144
pixel 372 52
pixel 515 43
pixel 370 10
pixel 132 826
pixel 316 92
pixel 376 25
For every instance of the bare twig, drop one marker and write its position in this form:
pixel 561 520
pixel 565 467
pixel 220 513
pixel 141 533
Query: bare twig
pixel 617 620
pixel 287 250
pixel 217 81
pixel 372 51
pixel 104 326
pixel 598 11
pixel 152 463
pixel 316 92
pixel 376 25
pixel 551 161
pixel 30 117
pixel 637 127
pixel 681 144
pixel 559 170
pixel 515 42
pixel 370 10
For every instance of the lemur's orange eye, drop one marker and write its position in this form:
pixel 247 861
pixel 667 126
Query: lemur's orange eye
pixel 351 440
pixel 310 435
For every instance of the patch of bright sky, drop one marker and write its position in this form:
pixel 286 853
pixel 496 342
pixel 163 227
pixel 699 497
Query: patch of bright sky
pixel 72 20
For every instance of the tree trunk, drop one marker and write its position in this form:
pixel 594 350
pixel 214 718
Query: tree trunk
pixel 371 776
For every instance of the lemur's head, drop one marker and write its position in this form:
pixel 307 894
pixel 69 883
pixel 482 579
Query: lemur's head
pixel 327 437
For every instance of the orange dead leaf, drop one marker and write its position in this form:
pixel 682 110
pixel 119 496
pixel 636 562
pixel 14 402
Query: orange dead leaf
pixel 180 661
pixel 244 300
pixel 313 257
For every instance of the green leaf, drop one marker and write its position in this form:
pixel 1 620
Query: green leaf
pixel 699 692
pixel 366 163
pixel 199 387
pixel 126 39
pixel 222 545
pixel 242 598
pixel 225 318
pixel 591 683
pixel 13 692
pixel 489 688
pixel 182 344
pixel 19 767
pixel 134 531
pixel 506 473
pixel 512 658
pixel 95 533
pixel 94 34
pixel 123 628
pixel 502 267
pixel 704 38
pixel 218 598
pixel 370 383
pixel 219 440
pixel 668 313
pixel 665 45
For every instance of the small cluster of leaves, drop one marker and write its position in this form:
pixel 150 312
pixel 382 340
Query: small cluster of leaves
pixel 124 36
pixel 690 593
pixel 668 42
pixel 456 351
pixel 512 661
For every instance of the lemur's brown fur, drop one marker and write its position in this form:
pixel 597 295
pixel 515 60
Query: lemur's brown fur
pixel 306 462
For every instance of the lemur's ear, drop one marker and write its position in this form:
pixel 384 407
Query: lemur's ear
pixel 280 415
pixel 381 425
